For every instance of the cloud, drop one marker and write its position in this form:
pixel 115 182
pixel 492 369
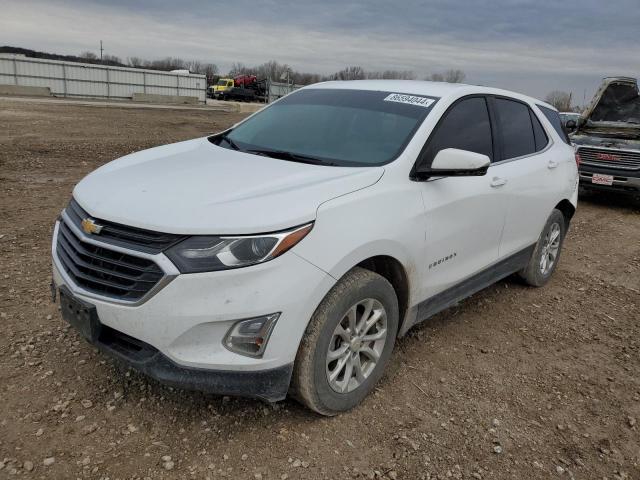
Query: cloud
pixel 523 45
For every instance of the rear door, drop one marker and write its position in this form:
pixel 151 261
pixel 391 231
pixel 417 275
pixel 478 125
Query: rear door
pixel 464 216
pixel 529 171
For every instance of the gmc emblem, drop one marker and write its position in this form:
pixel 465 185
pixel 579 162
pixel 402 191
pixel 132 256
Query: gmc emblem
pixel 607 156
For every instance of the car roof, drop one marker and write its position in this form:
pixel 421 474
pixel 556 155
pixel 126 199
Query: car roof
pixel 419 87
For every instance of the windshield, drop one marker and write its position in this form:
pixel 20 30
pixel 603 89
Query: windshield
pixel 222 83
pixel 333 127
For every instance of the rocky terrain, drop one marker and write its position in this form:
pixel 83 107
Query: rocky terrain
pixel 513 383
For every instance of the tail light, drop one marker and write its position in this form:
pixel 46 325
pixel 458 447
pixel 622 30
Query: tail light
pixel 578 159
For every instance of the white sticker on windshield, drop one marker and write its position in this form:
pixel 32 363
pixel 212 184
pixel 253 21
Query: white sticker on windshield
pixel 409 99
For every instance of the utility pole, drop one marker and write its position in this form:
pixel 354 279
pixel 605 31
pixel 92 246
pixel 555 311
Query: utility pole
pixel 101 49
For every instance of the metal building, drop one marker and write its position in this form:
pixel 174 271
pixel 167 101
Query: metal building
pixel 72 79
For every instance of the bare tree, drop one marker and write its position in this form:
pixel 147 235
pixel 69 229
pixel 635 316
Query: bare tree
pixel 168 63
pixel 111 60
pixel 135 62
pixel 88 55
pixel 194 66
pixel 350 73
pixel 450 76
pixel 454 76
pixel 238 68
pixel 209 69
pixel 392 74
pixel 559 99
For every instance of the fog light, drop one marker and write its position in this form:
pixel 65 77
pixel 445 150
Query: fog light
pixel 249 337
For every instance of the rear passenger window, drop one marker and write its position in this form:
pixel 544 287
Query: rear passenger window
pixel 465 126
pixel 515 124
pixel 556 123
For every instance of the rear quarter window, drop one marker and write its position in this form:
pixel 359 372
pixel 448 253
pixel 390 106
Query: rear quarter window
pixel 556 122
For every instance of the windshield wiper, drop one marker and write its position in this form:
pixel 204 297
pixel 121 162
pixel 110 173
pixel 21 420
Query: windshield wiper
pixel 231 143
pixel 290 156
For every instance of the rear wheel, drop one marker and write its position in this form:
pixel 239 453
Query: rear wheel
pixel 546 254
pixel 347 344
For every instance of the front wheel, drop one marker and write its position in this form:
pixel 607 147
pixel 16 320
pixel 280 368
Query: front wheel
pixel 546 254
pixel 347 344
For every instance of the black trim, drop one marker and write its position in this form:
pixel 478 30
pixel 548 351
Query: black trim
pixel 615 172
pixel 424 176
pixel 104 271
pixel 474 284
pixel 270 385
pixel 496 136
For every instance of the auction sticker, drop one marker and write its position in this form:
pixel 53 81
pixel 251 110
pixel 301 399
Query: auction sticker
pixel 410 99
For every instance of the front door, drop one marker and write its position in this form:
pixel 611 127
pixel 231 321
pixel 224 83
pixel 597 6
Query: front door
pixel 464 216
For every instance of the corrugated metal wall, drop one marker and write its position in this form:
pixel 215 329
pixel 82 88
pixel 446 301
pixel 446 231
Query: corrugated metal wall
pixel 277 90
pixel 71 79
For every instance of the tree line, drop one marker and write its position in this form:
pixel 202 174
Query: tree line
pixel 273 70
pixel 276 71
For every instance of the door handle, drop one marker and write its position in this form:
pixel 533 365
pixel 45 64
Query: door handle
pixel 552 164
pixel 498 182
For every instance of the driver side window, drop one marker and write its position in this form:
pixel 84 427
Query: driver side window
pixel 465 126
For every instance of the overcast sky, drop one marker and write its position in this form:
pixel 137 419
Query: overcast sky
pixel 531 46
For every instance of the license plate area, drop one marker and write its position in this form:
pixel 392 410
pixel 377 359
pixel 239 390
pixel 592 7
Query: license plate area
pixel 80 315
pixel 601 179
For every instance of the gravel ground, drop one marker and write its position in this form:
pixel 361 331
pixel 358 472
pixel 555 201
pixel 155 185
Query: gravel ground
pixel 514 382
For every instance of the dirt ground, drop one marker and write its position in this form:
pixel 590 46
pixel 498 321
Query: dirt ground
pixel 514 382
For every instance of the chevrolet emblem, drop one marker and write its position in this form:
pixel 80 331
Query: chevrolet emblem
pixel 91 227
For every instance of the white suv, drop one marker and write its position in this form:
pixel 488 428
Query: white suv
pixel 289 252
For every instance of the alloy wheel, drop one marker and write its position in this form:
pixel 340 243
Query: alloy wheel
pixel 550 248
pixel 356 345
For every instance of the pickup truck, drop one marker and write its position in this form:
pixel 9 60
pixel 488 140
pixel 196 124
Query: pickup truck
pixel 607 138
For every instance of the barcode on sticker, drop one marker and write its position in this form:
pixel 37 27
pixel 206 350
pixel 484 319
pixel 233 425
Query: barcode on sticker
pixel 410 99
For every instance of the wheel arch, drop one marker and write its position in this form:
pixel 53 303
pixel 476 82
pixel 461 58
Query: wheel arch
pixel 394 272
pixel 567 209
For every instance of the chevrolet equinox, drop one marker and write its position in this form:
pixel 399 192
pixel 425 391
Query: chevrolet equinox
pixel 289 252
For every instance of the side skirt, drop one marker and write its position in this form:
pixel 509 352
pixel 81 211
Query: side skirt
pixel 479 281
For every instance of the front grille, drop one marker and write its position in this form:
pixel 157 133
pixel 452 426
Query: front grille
pixel 124 235
pixel 600 157
pixel 104 271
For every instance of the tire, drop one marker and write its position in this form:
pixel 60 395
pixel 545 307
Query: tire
pixel 535 274
pixel 311 385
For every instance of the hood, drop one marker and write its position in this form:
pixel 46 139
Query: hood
pixel 195 187
pixel 605 141
pixel 614 110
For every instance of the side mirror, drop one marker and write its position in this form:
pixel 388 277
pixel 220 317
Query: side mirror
pixel 571 125
pixel 452 162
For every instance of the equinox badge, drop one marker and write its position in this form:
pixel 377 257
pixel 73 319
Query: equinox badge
pixel 89 226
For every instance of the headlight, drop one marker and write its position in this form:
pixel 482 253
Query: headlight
pixel 202 253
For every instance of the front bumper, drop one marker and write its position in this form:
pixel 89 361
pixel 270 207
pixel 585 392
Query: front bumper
pixel 624 181
pixel 184 323
pixel 270 385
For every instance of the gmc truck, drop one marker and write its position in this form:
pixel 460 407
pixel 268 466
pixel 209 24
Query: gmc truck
pixel 607 138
